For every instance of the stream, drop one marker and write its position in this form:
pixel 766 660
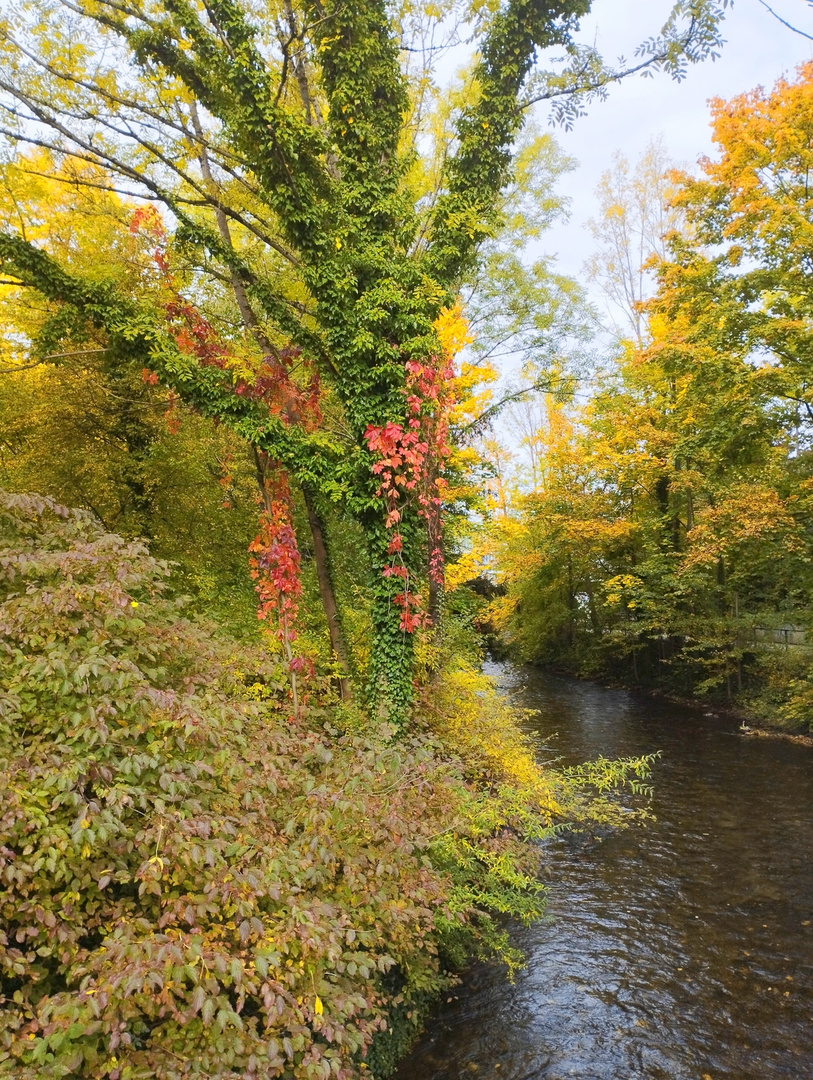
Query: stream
pixel 677 950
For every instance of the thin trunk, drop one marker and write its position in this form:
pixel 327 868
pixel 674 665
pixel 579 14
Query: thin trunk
pixel 591 606
pixel 251 324
pixel 240 294
pixel 662 500
pixel 434 543
pixel 434 601
pixel 571 604
pixel 297 61
pixel 289 653
pixel 327 594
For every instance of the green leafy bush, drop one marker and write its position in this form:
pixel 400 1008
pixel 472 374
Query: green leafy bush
pixel 193 883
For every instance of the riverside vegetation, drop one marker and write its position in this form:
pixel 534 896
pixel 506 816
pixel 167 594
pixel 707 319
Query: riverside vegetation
pixel 664 538
pixel 234 243
pixel 195 880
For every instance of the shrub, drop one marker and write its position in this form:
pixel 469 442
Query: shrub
pixel 190 883
pixel 195 883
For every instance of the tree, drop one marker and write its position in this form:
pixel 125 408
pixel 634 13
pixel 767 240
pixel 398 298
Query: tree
pixel 753 210
pixel 669 532
pixel 281 146
pixel 636 216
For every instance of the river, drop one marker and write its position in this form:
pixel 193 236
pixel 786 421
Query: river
pixel 679 950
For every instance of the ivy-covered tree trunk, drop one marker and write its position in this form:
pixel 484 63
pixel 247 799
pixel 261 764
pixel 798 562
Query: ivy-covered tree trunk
pixel 282 149
pixel 390 675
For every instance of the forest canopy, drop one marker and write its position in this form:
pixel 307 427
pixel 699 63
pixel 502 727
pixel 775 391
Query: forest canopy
pixel 313 206
pixel 668 538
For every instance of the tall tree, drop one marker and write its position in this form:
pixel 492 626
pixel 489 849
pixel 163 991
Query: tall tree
pixel 306 118
pixel 635 216
pixel 753 210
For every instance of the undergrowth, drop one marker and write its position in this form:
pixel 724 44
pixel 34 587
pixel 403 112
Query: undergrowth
pixel 194 881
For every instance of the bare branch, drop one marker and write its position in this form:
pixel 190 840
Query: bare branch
pixel 45 359
pixel 795 29
pixel 20 367
pixel 75 352
pixel 544 384
pixel 97 155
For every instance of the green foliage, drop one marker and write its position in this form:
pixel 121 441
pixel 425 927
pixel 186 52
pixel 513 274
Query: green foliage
pixel 191 881
pixel 116 446
pixel 177 859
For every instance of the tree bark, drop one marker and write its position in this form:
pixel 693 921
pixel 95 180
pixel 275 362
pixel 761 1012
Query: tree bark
pixel 327 594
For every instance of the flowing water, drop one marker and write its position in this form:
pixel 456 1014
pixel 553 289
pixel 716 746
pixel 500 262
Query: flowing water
pixel 681 950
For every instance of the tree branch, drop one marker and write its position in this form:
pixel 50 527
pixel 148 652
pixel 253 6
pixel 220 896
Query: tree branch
pixel 466 213
pixel 20 367
pixel 135 339
pixel 795 29
pixel 544 384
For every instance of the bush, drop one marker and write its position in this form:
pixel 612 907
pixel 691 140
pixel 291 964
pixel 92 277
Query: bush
pixel 195 883
pixel 190 883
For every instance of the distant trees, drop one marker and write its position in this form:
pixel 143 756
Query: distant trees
pixel 635 216
pixel 673 520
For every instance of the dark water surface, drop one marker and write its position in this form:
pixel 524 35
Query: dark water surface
pixel 682 950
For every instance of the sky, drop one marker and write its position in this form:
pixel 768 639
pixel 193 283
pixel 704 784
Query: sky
pixel 758 50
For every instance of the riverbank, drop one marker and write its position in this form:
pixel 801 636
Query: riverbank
pixel 762 733
pixel 750 722
pixel 749 725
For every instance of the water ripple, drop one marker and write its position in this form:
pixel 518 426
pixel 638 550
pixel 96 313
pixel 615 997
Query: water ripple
pixel 681 951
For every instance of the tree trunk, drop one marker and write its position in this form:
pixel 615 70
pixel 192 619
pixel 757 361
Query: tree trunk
pixel 252 325
pixel 435 593
pixel 571 604
pixel 327 594
pixel 591 607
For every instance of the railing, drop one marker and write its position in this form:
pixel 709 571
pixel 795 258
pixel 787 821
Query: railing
pixel 774 635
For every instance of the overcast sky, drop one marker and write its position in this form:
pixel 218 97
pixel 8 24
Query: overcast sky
pixel 758 50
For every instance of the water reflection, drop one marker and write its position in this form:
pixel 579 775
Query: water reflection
pixel 681 951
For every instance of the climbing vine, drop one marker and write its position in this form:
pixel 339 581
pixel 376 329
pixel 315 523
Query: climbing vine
pixel 275 567
pixel 274 557
pixel 409 458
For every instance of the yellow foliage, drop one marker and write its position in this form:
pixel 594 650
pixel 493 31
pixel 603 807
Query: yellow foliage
pixel 766 159
pixel 452 329
pixel 466 710
pixel 471 564
pixel 472 393
pixel 751 512
pixel 598 529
